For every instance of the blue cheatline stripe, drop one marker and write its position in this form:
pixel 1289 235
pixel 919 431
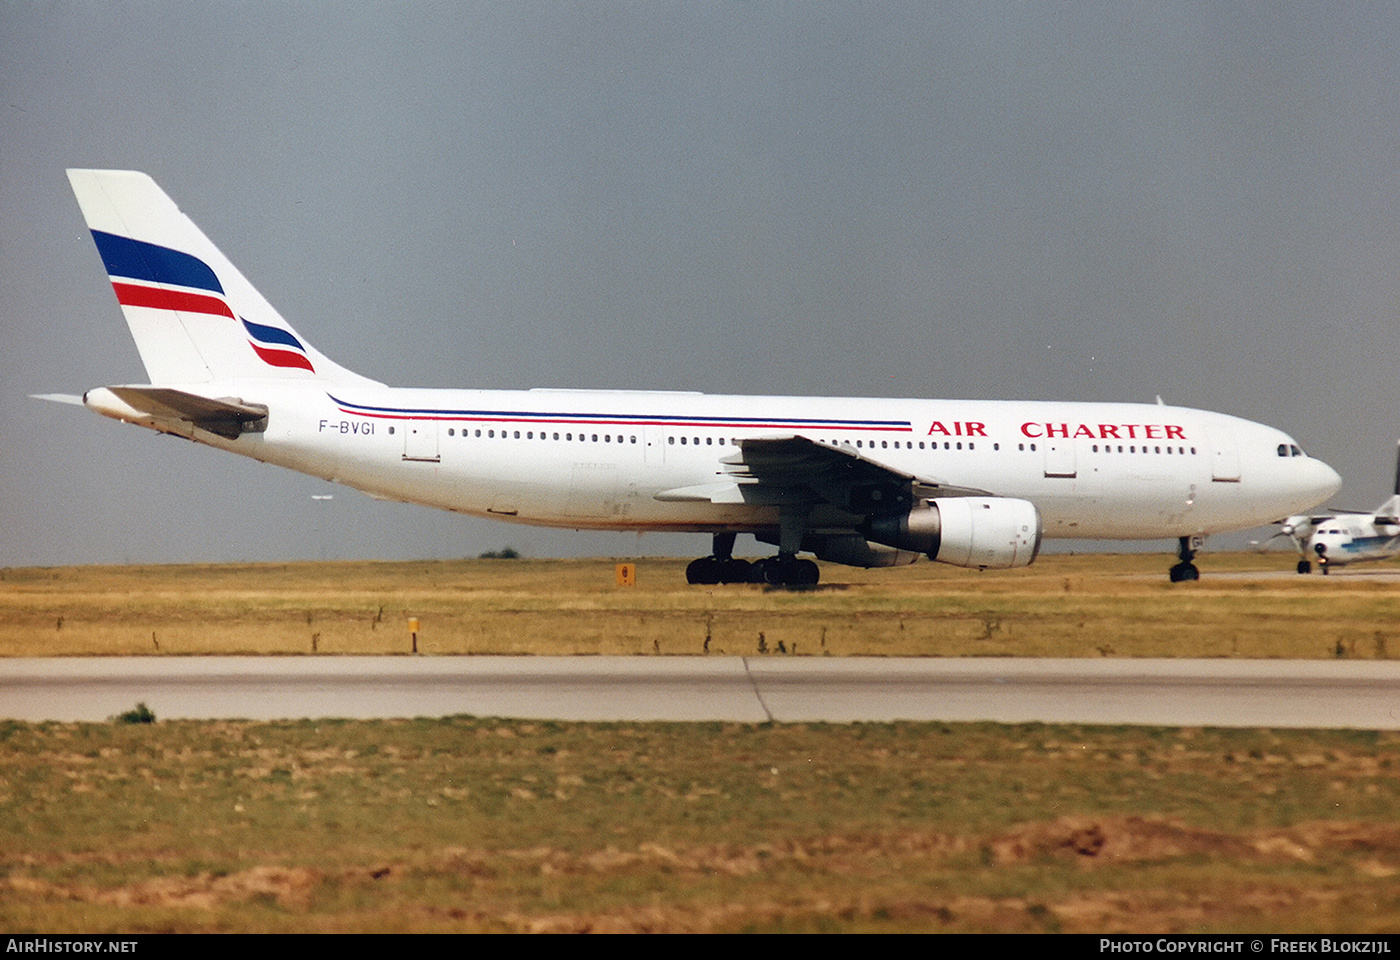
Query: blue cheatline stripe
pixel 267 334
pixel 622 419
pixel 137 260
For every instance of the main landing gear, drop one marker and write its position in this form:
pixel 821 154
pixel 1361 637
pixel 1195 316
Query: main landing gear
pixel 722 567
pixel 1185 570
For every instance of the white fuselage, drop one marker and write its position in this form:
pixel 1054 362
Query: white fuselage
pixel 870 482
pixel 1353 539
pixel 606 460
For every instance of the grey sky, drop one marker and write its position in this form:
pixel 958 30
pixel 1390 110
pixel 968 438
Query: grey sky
pixel 1069 201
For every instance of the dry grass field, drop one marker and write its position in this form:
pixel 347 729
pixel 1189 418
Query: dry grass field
pixel 1062 606
pixel 471 825
pixel 463 824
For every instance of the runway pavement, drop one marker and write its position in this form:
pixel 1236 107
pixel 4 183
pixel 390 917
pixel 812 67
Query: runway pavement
pixel 1234 693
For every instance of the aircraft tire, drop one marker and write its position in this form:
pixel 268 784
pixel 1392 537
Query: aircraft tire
pixel 758 570
pixel 1184 572
pixel 706 570
pixel 735 571
pixel 778 572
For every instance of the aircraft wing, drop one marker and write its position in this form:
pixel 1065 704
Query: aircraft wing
pixel 794 469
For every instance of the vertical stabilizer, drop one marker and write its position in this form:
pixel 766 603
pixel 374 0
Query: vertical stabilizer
pixel 195 318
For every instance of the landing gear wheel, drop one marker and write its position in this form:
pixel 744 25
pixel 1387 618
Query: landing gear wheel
pixel 1184 572
pixel 1186 552
pixel 735 571
pixel 706 570
pixel 712 570
pixel 785 572
pixel 1304 566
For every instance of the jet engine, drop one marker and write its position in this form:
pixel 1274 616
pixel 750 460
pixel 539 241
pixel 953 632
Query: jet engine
pixel 855 551
pixel 981 532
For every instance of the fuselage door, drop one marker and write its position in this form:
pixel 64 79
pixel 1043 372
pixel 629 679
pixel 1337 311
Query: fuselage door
pixel 1059 457
pixel 1224 461
pixel 420 440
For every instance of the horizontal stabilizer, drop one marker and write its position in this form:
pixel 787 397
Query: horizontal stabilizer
pixel 156 406
pixel 72 398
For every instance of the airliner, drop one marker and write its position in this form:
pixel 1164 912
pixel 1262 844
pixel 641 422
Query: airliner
pixel 867 482
pixel 1347 536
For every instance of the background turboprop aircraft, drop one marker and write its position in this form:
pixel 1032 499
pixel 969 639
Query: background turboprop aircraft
pixel 1347 536
pixel 861 481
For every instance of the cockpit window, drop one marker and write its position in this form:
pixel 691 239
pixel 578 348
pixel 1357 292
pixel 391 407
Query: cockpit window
pixel 1283 449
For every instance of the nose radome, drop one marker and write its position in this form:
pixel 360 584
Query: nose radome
pixel 1329 481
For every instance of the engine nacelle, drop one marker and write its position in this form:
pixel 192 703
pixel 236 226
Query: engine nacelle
pixel 856 551
pixel 981 532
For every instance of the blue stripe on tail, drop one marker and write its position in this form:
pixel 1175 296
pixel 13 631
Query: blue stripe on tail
pixel 137 260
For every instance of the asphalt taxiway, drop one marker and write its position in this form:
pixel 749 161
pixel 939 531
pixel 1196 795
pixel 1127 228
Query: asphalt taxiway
pixel 1230 693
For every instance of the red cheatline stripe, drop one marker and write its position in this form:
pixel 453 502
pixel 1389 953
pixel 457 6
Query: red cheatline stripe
pixel 282 358
pixel 130 295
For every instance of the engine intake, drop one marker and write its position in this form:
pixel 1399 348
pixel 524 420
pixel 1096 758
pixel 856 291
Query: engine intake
pixel 982 532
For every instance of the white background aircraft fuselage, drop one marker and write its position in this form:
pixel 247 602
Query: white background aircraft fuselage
pixel 600 459
pixel 870 482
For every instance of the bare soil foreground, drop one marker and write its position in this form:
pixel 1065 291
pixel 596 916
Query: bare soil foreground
pixel 461 824
pixel 478 824
pixel 1245 605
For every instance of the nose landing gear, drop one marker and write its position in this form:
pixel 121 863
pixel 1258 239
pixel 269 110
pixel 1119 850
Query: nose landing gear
pixel 1185 570
pixel 1321 550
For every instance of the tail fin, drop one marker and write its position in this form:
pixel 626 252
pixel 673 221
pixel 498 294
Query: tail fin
pixel 195 318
